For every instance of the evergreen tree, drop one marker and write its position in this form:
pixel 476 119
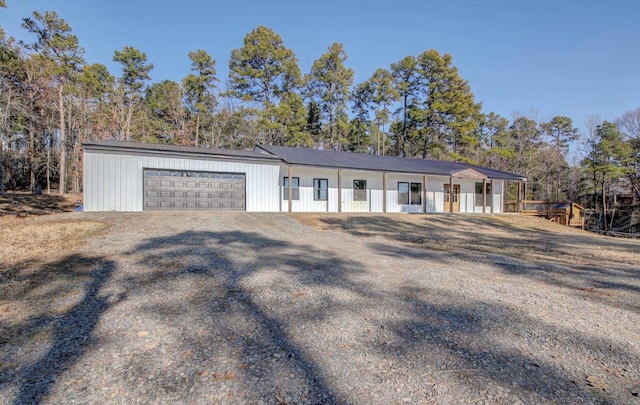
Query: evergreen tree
pixel 199 88
pixel 266 72
pixel 135 72
pixel 407 84
pixel 55 42
pixel 329 83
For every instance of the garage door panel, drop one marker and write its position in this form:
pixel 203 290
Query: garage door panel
pixel 180 189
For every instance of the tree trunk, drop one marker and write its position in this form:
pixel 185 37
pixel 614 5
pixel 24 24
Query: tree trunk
pixel 2 185
pixel 63 142
pixel 127 129
pixel 32 147
pixel 403 149
pixel 197 126
pixel 604 204
pixel 49 170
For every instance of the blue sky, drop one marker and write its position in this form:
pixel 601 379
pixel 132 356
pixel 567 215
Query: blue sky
pixel 547 58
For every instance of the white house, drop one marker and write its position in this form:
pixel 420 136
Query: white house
pixel 131 176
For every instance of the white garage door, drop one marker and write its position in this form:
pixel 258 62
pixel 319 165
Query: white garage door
pixel 189 190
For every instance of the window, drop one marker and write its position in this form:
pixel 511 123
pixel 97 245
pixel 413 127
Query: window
pixel 295 192
pixel 359 190
pixel 403 193
pixel 416 194
pixel 320 187
pixel 479 195
pixel 408 195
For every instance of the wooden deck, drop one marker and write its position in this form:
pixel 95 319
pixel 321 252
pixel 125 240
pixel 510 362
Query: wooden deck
pixel 562 212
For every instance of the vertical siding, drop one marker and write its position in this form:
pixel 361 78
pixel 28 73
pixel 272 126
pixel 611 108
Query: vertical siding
pixel 498 196
pixel 374 192
pixel 392 193
pixel 435 193
pixel 114 182
pixel 306 203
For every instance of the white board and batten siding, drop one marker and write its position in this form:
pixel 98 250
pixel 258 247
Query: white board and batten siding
pixel 113 181
pixel 434 192
pixel 306 203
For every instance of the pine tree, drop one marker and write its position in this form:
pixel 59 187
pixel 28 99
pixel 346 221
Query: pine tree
pixel 329 83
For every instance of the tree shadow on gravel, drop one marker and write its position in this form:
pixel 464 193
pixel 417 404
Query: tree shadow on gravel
pixel 64 303
pixel 266 360
pixel 260 357
pixel 536 253
pixel 480 343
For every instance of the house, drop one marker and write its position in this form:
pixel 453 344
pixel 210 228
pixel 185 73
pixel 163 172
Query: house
pixel 132 176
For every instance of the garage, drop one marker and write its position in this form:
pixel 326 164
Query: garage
pixel 193 190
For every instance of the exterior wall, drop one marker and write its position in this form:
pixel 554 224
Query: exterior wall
pixel 434 192
pixel 306 202
pixel 374 192
pixel 392 193
pixel 113 181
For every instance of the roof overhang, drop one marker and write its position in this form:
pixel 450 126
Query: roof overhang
pixel 171 150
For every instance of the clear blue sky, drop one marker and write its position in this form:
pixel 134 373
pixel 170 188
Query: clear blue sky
pixel 562 57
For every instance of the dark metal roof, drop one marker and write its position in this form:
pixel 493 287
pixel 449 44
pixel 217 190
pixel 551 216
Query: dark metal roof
pixel 361 161
pixel 157 147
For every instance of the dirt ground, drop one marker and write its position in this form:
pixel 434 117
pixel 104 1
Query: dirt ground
pixel 22 203
pixel 27 239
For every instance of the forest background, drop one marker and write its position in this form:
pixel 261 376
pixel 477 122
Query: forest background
pixel 52 100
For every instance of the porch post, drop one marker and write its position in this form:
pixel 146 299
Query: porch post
pixel 384 192
pixel 491 183
pixel 290 188
pixel 484 195
pixel 451 194
pixel 424 194
pixel 519 206
pixel 339 190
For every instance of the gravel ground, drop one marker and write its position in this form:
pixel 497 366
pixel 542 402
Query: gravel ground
pixel 240 308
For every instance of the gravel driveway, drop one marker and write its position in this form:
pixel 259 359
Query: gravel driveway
pixel 240 308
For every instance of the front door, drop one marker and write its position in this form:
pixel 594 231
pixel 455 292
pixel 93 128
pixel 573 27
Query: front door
pixel 448 196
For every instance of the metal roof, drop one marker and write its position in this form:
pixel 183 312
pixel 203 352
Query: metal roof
pixel 361 161
pixel 158 147
pixel 319 158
